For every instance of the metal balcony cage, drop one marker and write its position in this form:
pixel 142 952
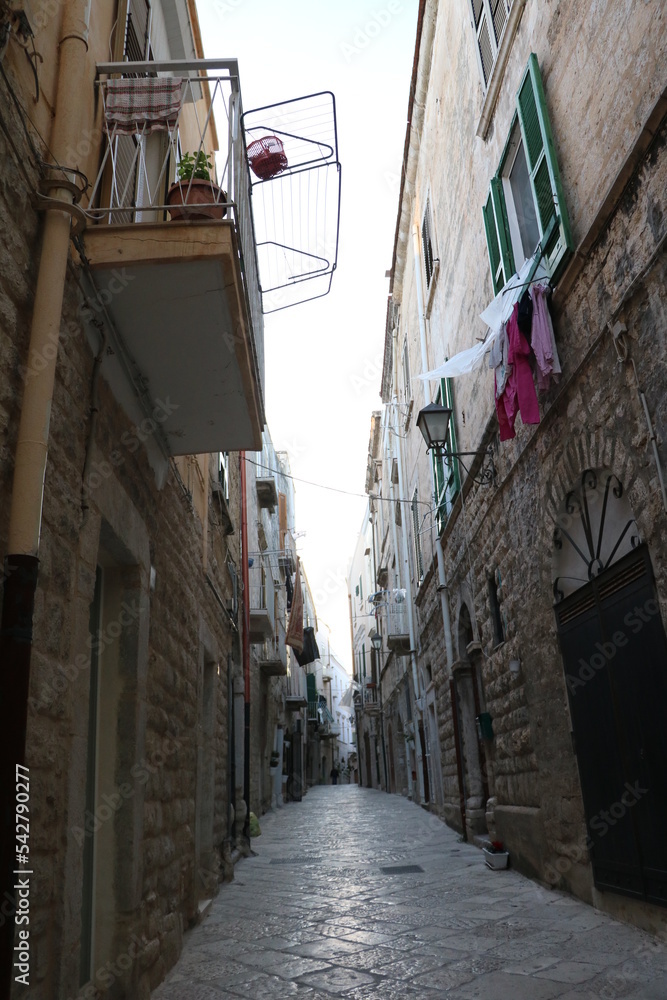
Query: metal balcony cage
pixel 294 174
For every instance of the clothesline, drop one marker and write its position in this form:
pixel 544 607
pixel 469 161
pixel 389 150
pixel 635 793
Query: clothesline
pixel 496 313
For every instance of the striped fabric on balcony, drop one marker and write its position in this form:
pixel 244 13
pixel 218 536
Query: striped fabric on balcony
pixel 144 105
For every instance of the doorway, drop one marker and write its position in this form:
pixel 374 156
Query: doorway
pixel 614 650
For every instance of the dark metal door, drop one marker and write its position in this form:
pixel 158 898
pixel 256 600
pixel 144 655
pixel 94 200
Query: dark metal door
pixel 615 652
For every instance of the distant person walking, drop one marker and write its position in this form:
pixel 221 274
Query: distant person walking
pixel 334 775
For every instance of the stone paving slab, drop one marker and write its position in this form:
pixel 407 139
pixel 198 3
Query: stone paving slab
pixel 290 927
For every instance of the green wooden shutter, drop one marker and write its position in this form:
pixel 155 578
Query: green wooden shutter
pixel 454 482
pixel 493 246
pixel 543 166
pixel 446 477
pixel 498 236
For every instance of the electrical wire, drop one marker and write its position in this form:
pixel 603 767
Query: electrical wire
pixel 333 489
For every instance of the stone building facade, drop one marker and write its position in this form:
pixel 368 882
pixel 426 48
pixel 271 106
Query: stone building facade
pixel 134 739
pixel 537 133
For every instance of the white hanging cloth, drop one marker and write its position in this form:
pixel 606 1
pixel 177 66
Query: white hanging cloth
pixel 496 313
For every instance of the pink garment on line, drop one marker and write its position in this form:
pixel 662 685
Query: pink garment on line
pixel 543 340
pixel 519 395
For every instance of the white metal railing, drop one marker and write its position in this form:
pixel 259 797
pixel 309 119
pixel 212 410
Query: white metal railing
pixel 274 649
pixel 297 686
pixel 396 611
pixel 260 578
pixel 136 170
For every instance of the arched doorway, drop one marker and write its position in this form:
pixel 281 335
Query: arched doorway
pixel 615 655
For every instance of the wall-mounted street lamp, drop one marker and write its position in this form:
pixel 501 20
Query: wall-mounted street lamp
pixel 433 422
pixel 376 641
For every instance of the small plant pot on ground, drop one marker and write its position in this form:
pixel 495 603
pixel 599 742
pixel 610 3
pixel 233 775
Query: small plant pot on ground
pixel 193 200
pixel 496 859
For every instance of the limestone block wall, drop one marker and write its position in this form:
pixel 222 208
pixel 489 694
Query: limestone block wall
pixel 162 860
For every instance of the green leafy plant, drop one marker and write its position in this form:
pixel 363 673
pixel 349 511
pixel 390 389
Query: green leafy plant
pixel 197 167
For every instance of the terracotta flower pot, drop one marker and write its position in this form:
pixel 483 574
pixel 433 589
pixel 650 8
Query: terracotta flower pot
pixel 192 201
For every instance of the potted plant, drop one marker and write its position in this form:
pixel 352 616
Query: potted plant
pixel 195 189
pixel 495 855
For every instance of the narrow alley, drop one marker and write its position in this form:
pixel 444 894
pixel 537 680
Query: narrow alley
pixel 354 893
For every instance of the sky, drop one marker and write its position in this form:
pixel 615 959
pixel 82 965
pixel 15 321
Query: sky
pixel 324 358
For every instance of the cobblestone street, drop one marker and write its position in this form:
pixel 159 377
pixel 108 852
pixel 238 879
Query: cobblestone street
pixel 335 905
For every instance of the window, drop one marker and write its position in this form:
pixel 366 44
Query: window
pixel 489 20
pixel 525 206
pixel 428 244
pixel 419 564
pixel 446 478
pixel 223 472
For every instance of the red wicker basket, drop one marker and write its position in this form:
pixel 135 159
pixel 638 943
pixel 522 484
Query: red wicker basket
pixel 267 157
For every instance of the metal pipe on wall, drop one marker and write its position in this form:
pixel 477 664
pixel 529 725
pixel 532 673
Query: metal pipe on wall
pixel 245 644
pixel 25 520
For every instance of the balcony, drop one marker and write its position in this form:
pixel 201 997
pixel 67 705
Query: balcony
pixel 181 296
pixel 296 696
pixel 262 602
pixel 267 494
pixel 398 630
pixel 273 654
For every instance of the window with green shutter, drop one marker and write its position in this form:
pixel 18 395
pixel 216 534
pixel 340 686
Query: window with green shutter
pixel 446 476
pixel 525 209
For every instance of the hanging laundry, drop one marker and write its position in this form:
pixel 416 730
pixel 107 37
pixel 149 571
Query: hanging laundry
pixel 498 360
pixel 519 395
pixel 310 651
pixel 525 316
pixel 543 340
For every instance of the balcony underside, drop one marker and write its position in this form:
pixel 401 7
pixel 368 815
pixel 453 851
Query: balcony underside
pixel 267 495
pixel 178 305
pixel 273 667
pixel 261 625
pixel 399 643
pixel 294 702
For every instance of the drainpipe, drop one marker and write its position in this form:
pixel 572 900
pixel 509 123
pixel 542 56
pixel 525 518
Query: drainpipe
pixel 245 576
pixel 408 589
pixel 21 563
pixel 442 579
